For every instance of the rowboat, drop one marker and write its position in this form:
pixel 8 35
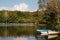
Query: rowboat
pixel 49 33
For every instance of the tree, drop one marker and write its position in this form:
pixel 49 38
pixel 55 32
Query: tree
pixel 50 15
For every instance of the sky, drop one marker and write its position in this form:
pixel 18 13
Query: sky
pixel 20 5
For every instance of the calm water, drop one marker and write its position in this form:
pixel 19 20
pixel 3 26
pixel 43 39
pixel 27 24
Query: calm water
pixel 18 38
pixel 21 38
pixel 17 24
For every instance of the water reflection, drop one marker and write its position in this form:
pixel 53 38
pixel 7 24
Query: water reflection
pixel 22 38
pixel 18 38
pixel 25 38
pixel 6 38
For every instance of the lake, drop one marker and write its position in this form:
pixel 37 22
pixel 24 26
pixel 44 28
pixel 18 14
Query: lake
pixel 28 29
pixel 17 24
pixel 19 38
pixel 22 38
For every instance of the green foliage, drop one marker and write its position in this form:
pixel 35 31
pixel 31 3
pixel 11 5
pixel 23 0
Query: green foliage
pixel 58 26
pixel 20 17
pixel 50 17
pixel 2 18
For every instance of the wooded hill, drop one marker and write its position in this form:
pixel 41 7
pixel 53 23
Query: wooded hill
pixel 20 17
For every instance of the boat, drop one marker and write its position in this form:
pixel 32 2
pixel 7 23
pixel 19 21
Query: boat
pixel 52 36
pixel 48 33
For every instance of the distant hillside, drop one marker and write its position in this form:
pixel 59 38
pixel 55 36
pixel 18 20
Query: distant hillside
pixel 20 17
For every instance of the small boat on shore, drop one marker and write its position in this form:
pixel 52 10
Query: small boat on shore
pixel 49 33
pixel 52 36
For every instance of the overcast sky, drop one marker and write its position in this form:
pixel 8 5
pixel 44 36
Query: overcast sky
pixel 20 5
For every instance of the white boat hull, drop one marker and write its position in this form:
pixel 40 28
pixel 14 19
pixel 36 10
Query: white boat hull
pixel 52 36
pixel 49 33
